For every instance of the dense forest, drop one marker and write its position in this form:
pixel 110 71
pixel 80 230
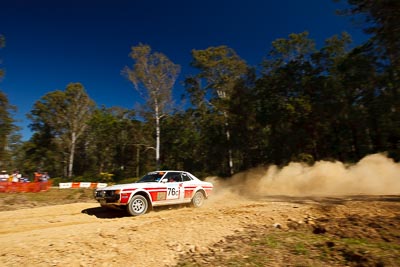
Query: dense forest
pixel 301 103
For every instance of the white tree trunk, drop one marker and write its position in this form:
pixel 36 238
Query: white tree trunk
pixel 71 155
pixel 158 131
pixel 230 158
pixel 228 138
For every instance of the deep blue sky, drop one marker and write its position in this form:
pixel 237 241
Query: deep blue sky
pixel 52 43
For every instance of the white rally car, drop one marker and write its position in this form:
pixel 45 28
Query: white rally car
pixel 156 188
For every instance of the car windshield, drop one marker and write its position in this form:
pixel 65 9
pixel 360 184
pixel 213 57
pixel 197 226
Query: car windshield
pixel 152 177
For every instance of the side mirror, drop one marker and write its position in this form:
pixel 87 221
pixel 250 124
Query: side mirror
pixel 165 180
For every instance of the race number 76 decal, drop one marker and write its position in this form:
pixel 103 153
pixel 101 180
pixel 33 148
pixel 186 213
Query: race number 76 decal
pixel 172 192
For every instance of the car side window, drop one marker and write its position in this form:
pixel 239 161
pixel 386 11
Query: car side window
pixel 173 177
pixel 185 177
pixel 178 177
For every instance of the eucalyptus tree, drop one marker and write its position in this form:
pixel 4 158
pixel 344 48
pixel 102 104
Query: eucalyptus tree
pixel 334 106
pixel 2 44
pixel 5 119
pixel 66 115
pixel 7 130
pixel 181 141
pixel 153 75
pixel 382 24
pixel 298 47
pixel 116 131
pixel 381 21
pixel 102 133
pixel 221 69
pixel 283 98
pixel 42 151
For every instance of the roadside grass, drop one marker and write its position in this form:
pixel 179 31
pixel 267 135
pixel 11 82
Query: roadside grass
pixel 54 196
pixel 300 247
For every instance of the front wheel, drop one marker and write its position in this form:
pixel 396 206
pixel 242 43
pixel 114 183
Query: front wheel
pixel 138 205
pixel 198 199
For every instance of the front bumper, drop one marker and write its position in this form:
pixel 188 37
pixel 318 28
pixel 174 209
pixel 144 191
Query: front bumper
pixel 107 196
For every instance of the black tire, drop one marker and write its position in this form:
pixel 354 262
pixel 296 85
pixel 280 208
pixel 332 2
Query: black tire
pixel 138 205
pixel 198 199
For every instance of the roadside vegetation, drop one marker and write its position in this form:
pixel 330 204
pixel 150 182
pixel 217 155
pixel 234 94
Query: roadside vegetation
pixel 54 196
pixel 327 241
pixel 262 247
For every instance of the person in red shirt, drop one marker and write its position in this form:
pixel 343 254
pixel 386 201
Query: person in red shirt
pixel 37 177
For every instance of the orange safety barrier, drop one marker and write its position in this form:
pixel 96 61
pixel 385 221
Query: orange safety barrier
pixel 14 187
pixel 76 184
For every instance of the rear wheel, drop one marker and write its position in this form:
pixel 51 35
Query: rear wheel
pixel 198 199
pixel 138 205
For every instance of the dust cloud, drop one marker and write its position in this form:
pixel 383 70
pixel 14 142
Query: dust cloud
pixel 373 175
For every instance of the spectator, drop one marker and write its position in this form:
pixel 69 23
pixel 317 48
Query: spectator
pixel 16 176
pixel 45 177
pixel 37 177
pixel 43 181
pixel 4 176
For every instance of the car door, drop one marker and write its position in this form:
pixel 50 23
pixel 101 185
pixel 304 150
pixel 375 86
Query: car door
pixel 188 186
pixel 175 190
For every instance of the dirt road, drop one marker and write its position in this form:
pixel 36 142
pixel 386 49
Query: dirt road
pixel 83 234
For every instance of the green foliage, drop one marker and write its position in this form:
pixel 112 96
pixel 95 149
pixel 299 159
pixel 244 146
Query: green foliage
pixel 153 75
pixel 7 132
pixel 382 23
pixel 129 180
pixel 223 72
pixel 9 137
pixel 2 44
pixel 106 177
pixel 61 117
pixel 295 48
pixel 304 104
pixel 57 180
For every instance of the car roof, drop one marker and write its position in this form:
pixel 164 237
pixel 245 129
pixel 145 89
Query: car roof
pixel 167 171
